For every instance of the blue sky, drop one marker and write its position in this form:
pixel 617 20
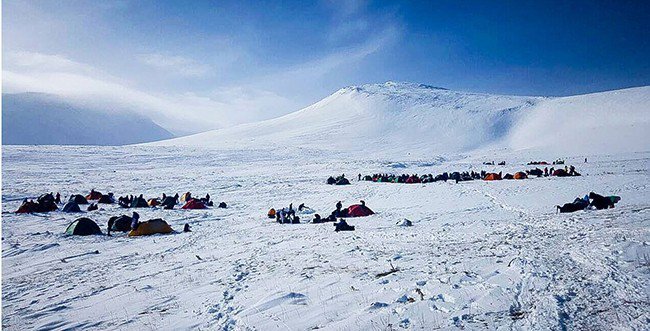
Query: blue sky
pixel 200 65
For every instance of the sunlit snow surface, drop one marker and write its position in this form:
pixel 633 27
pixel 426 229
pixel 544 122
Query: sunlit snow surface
pixel 479 254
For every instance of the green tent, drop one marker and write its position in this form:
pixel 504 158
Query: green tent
pixel 83 227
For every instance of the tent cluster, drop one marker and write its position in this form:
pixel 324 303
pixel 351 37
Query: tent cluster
pixel 568 171
pixel 592 200
pixel 339 180
pixel 428 178
pixel 85 226
pixel 289 215
pixel 469 175
pixel 49 202
pixel 502 163
pixel 44 203
pixel 558 161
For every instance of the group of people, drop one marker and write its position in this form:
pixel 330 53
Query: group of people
pixel 559 172
pixel 502 163
pixel 556 162
pixel 469 175
pixel 288 215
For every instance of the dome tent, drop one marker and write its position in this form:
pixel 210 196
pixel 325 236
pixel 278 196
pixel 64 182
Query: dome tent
pixel 151 227
pixel 359 211
pixel 83 227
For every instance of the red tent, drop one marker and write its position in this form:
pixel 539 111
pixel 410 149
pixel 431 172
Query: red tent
pixel 194 204
pixel 94 195
pixel 412 180
pixel 359 211
pixel 520 175
pixel 492 176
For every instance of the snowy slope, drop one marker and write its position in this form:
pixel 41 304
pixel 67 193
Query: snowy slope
pixel 411 120
pixel 608 122
pixel 44 119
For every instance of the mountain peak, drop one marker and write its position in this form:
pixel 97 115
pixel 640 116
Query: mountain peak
pixel 391 87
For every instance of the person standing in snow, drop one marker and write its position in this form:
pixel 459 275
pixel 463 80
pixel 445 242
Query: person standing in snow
pixel 135 223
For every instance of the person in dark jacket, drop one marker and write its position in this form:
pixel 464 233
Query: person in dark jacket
pixel 600 202
pixel 576 205
pixel 342 225
pixel 135 221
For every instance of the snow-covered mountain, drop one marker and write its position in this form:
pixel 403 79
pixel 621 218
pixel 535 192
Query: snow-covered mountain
pixel 419 120
pixel 44 119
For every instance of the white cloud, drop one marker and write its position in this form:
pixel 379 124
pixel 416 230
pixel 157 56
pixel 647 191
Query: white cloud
pixel 175 64
pixel 180 113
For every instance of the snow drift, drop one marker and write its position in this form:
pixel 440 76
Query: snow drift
pixel 419 120
pixel 44 119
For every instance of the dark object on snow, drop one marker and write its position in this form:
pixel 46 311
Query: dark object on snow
pixel 92 206
pixel 71 207
pixel 343 181
pixel 83 227
pixel 45 203
pixel 502 163
pixel 577 204
pixel 78 199
pixel 186 228
pixel 331 180
pixel 222 205
pixel 535 172
pixel 169 202
pixel 342 225
pixel 601 202
pixel 508 176
pixel 120 223
pixel 139 202
pixel 106 198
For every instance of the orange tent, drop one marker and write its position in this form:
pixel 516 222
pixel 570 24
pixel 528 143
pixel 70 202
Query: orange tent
pixel 492 176
pixel 153 202
pixel 93 195
pixel 520 175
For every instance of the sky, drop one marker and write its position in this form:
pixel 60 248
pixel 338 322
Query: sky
pixel 199 65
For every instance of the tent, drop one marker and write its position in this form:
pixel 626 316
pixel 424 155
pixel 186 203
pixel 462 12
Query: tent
pixel 139 202
pixel 412 180
pixel 106 199
pixel 492 176
pixel 187 196
pixel 560 173
pixel 169 202
pixel 27 207
pixel 71 207
pixel 93 195
pixel 343 181
pixel 151 227
pixel 121 223
pixel 79 199
pixel 153 202
pixel 520 175
pixel 359 211
pixel 194 204
pixel 83 227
